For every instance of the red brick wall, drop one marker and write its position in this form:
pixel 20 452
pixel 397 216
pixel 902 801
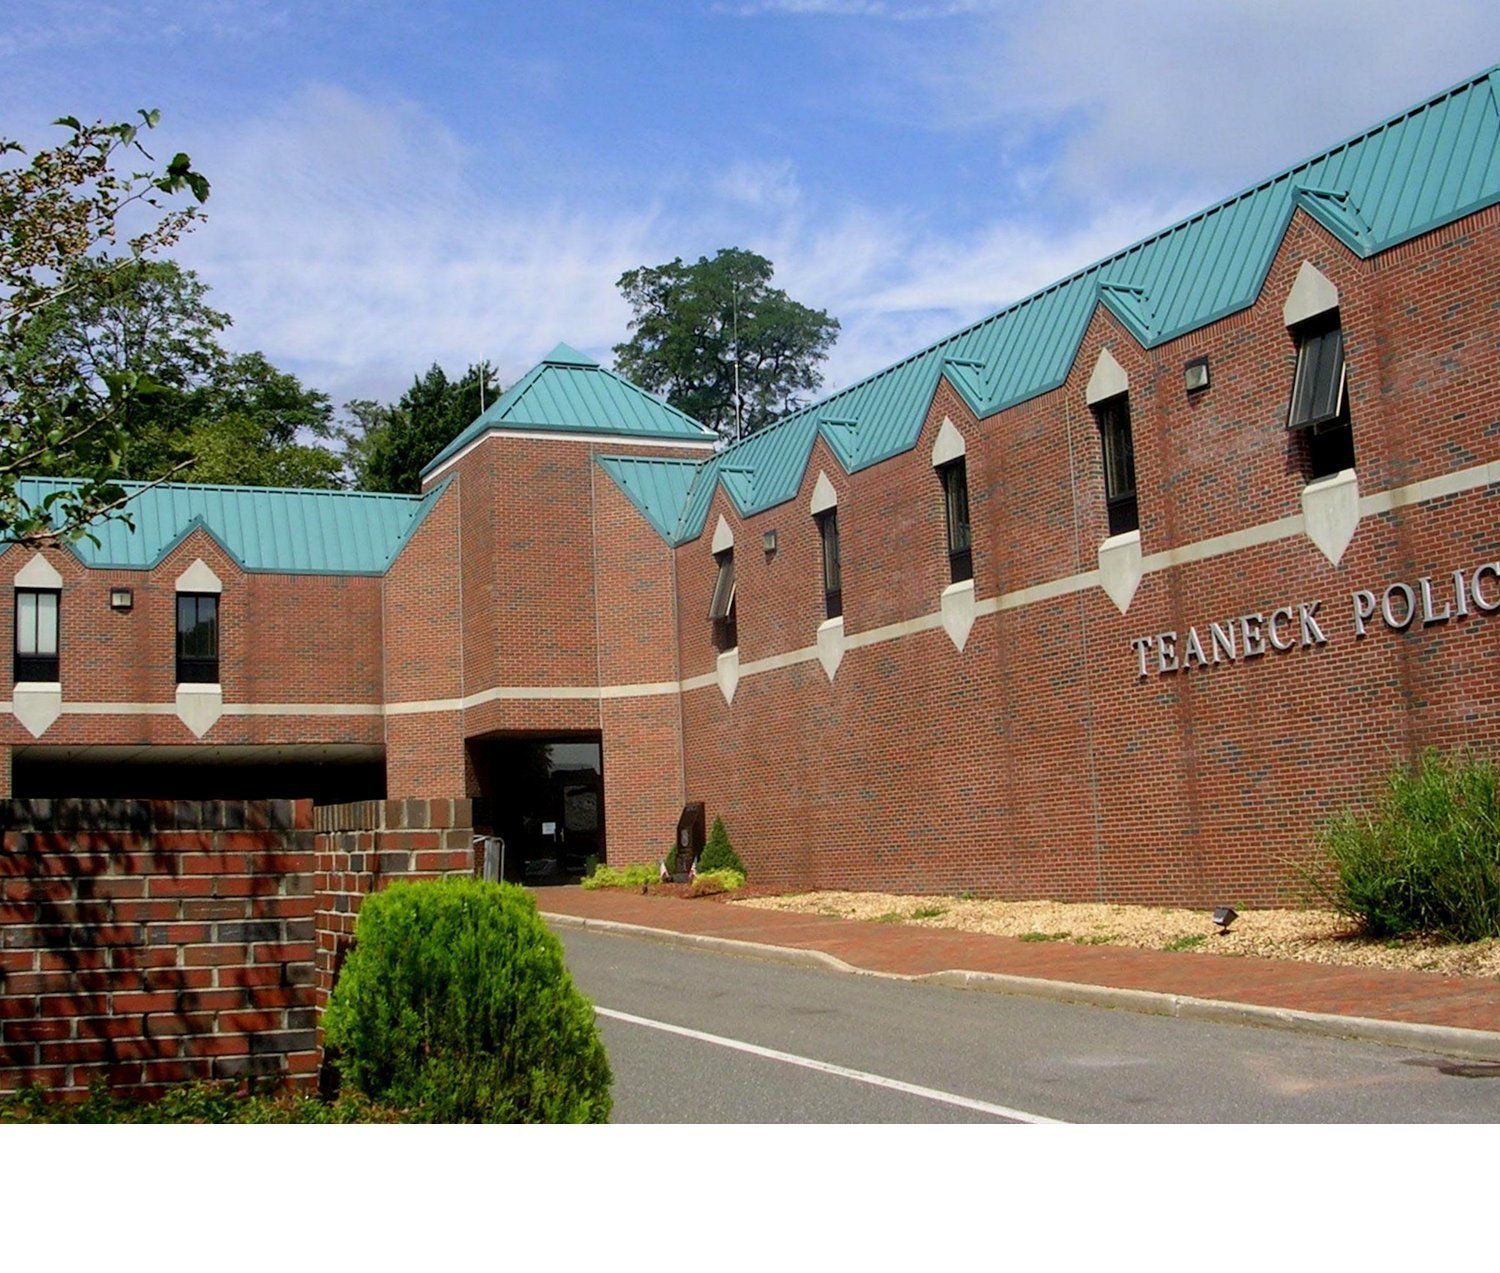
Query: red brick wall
pixel 1036 762
pixel 150 943
pixel 363 846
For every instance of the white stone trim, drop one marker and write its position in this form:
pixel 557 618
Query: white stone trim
pixel 37 704
pixel 39 573
pixel 949 444
pixel 957 609
pixel 1312 293
pixel 824 496
pixel 542 435
pixel 199 578
pixel 199 707
pixel 1475 478
pixel 831 645
pixel 727 669
pixel 723 537
pixel 1108 380
pixel 1330 512
pixel 1120 568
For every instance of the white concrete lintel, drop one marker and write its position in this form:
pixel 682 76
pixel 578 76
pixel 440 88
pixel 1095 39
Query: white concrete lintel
pixel 723 536
pixel 824 496
pixel 39 573
pixel 199 578
pixel 1108 381
pixel 949 444
pixel 1312 294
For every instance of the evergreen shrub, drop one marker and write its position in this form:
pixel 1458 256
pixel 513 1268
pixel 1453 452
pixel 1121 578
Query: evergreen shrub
pixel 718 854
pixel 455 1004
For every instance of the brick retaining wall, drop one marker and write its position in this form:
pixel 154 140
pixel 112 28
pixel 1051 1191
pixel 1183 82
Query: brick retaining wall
pixel 150 942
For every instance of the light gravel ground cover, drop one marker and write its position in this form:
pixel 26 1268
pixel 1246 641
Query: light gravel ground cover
pixel 1319 937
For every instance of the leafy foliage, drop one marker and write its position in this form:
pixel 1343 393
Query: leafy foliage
pixel 606 876
pixel 194 1103
pixel 455 1003
pixel 388 446
pixel 724 880
pixel 718 854
pixel 692 321
pixel 1427 859
pixel 210 416
pixel 59 211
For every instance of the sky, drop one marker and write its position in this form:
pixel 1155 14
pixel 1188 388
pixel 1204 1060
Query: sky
pixel 401 183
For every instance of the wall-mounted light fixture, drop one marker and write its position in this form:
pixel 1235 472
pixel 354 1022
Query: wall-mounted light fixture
pixel 1195 374
pixel 768 542
pixel 121 598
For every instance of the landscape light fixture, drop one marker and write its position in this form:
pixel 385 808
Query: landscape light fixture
pixel 768 542
pixel 1224 917
pixel 121 598
pixel 1195 374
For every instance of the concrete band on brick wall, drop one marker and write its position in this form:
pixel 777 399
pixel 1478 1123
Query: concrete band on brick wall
pixel 1446 485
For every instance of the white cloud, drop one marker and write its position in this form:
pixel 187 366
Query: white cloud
pixel 357 241
pixel 895 10
pixel 1180 93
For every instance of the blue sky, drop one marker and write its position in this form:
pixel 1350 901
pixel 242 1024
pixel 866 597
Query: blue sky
pixel 398 183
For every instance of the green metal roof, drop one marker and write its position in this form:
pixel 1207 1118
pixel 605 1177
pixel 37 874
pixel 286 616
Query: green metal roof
pixel 1428 166
pixel 263 528
pixel 658 487
pixel 568 392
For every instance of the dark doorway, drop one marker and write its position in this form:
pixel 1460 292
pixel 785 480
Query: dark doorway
pixel 544 796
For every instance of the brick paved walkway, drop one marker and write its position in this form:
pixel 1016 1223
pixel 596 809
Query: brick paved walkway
pixel 1422 997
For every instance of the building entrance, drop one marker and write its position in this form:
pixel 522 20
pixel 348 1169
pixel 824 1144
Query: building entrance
pixel 544 796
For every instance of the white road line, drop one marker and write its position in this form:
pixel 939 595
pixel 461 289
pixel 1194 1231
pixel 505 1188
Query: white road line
pixel 839 1071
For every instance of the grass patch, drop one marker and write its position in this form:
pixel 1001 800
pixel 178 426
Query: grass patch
pixel 606 876
pixel 197 1103
pixel 1427 859
pixel 1035 936
pixel 1188 942
pixel 890 917
pixel 1098 939
pixel 929 912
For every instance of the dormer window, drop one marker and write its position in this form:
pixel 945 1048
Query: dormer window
pixel 197 638
pixel 36 634
pixel 955 479
pixel 1113 416
pixel 721 609
pixel 1320 401
pixel 833 574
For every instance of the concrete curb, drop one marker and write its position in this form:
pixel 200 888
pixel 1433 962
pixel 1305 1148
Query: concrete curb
pixel 1474 1045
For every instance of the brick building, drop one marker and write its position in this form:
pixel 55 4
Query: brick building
pixel 1117 593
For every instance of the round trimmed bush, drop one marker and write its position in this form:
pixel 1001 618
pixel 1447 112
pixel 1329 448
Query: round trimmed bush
pixel 455 1004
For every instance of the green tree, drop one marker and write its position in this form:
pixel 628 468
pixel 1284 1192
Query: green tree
pixel 388 446
pixel 693 323
pixel 63 207
pixel 210 417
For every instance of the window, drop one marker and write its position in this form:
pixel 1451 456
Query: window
pixel 1113 415
pixel 721 608
pixel 956 511
pixel 1320 405
pixel 833 575
pixel 197 638
pixel 36 634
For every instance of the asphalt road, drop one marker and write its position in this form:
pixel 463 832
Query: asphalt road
pixel 786 1044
